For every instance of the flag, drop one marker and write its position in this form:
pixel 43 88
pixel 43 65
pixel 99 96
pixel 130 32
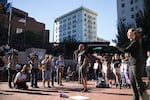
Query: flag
pixel 22 20
pixel 8 7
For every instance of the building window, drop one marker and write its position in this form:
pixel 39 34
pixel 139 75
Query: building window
pixel 74 16
pixel 137 7
pixel 132 9
pixel 123 5
pixel 136 1
pixel 131 2
pixel 84 14
pixel 73 31
pixel 94 18
pixel 74 26
pixel 69 18
pixel 123 11
pixel 64 20
pixel 69 32
pixel 74 21
pixel 132 16
pixel 69 27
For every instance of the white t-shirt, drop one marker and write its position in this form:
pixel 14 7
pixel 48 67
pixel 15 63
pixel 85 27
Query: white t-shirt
pixel 95 66
pixel 20 77
pixel 148 61
pixel 104 67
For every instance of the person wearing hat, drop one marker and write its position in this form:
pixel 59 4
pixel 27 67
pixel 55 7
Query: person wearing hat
pixel 13 60
pixel 21 78
pixel 34 70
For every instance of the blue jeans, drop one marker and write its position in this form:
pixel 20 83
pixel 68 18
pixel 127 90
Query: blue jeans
pixel 34 77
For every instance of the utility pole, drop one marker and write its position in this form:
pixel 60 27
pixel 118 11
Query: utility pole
pixel 9 21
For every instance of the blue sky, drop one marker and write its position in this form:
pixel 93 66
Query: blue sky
pixel 46 10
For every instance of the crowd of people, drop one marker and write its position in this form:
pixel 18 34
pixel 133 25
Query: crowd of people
pixel 121 70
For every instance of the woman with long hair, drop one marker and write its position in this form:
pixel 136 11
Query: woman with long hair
pixel 136 64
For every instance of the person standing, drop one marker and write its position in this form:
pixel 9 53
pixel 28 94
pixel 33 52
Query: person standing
pixel 135 64
pixel 12 62
pixel 46 69
pixel 60 64
pixel 75 58
pixel 34 70
pixel 53 70
pixel 148 68
pixel 83 65
pixel 116 62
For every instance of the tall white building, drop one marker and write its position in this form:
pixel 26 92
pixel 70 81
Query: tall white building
pixel 127 10
pixel 79 25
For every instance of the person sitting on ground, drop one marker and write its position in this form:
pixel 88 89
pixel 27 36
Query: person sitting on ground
pixel 21 78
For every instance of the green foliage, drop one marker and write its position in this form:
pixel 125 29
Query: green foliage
pixel 3 33
pixel 27 38
pixel 122 37
pixel 143 21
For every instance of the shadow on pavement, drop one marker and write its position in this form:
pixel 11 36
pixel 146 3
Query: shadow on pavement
pixel 24 91
pixel 117 94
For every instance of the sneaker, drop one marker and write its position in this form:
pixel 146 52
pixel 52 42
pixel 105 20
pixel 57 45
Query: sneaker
pixel 145 96
pixel 10 87
pixel 84 90
pixel 49 86
pixel 36 87
pixel 61 85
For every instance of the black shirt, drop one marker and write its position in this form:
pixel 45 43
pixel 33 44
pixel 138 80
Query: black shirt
pixel 135 53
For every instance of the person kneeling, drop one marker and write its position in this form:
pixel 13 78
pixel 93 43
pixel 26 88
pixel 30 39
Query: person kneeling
pixel 21 79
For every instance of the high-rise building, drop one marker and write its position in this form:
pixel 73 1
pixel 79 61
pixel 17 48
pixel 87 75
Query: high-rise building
pixel 79 25
pixel 128 10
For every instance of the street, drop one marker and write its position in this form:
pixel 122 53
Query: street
pixel 70 89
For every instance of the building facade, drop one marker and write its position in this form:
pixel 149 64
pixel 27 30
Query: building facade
pixel 128 10
pixel 79 25
pixel 20 22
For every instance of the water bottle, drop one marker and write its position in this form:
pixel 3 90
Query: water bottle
pixel 63 95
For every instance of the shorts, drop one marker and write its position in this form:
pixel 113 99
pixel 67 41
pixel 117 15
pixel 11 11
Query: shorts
pixel 46 75
pixel 83 71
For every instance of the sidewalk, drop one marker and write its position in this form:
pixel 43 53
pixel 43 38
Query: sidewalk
pixel 72 89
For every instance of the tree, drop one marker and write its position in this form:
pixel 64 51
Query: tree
pixel 122 37
pixel 143 21
pixel 3 33
pixel 27 39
